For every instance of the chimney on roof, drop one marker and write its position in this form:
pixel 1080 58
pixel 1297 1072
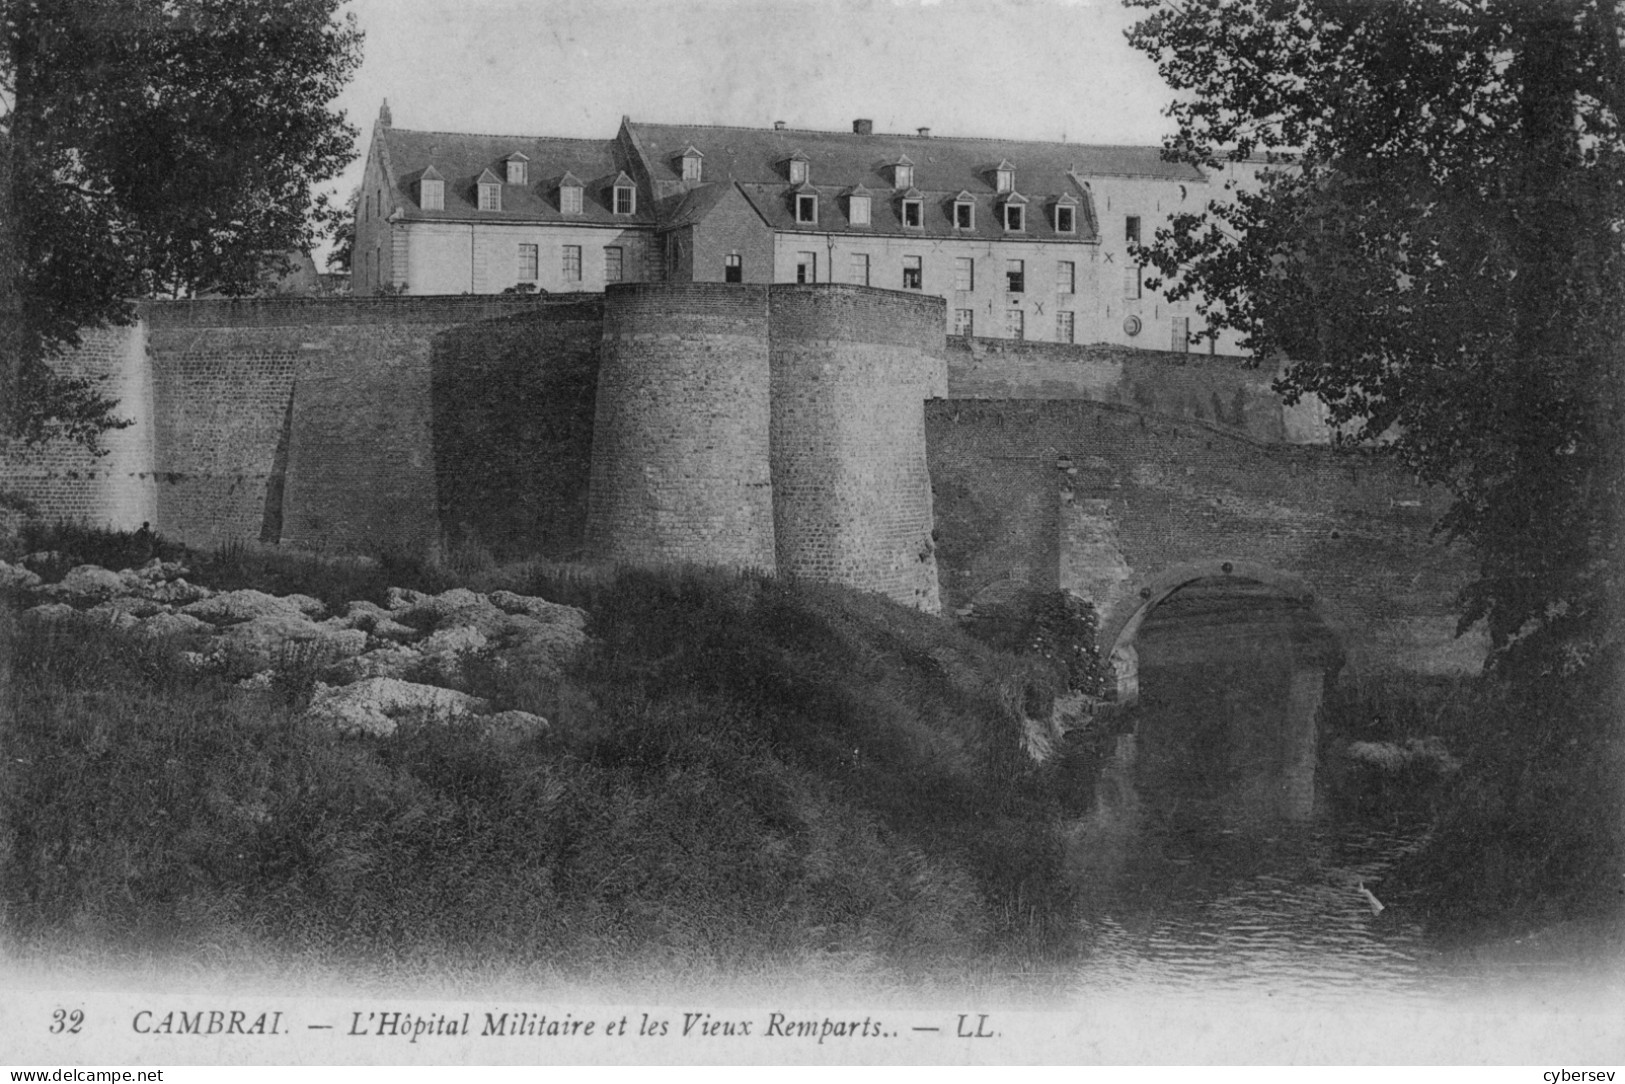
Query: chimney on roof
pixel 384 120
pixel 863 126
pixel 778 126
pixel 925 133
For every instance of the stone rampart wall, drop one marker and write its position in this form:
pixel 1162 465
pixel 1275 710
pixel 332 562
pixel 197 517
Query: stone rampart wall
pixel 680 434
pixel 1219 390
pixel 301 420
pixel 64 480
pixel 513 404
pixel 852 368
pixel 1166 493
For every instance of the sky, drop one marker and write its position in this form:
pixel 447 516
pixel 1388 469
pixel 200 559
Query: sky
pixel 1027 69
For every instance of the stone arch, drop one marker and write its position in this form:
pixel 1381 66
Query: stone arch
pixel 1121 623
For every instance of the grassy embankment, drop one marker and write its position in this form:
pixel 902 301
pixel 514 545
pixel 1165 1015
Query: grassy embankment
pixel 741 773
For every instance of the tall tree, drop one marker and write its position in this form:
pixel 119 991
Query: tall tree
pixel 1437 250
pixel 153 148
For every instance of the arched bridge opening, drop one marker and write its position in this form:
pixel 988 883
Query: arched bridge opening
pixel 1225 664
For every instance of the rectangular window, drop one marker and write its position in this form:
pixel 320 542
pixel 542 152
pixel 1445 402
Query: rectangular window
pixel 1066 277
pixel 691 168
pixel 1015 276
pixel 798 171
pixel 572 263
pixel 1063 327
pixel 1131 229
pixel 1015 324
pixel 806 208
pixel 614 263
pixel 490 197
pixel 806 267
pixel 860 269
pixel 1064 221
pixel 733 268
pixel 964 216
pixel 912 275
pixel 911 213
pixel 570 199
pixel 1131 282
pixel 1013 217
pixel 964 322
pixel 516 172
pixel 964 273
pixel 1181 335
pixel 624 199
pixel 434 195
pixel 858 210
pixel 529 262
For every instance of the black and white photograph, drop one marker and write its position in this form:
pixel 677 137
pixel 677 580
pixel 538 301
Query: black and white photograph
pixel 780 532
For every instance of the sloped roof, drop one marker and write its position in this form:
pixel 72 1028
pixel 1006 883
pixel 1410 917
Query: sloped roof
pixel 772 202
pixel 941 163
pixel 461 158
pixel 693 205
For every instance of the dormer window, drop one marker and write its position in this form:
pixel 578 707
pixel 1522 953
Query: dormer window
pixel 490 186
pixel 800 173
pixel 625 195
pixel 902 173
pixel 1066 215
pixel 964 211
pixel 692 163
pixel 1015 212
pixel 516 168
pixel 858 207
pixel 432 190
pixel 1004 177
pixel 913 209
pixel 570 195
pixel 806 204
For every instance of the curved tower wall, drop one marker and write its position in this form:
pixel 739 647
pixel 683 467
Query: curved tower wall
pixel 62 478
pixel 852 367
pixel 680 433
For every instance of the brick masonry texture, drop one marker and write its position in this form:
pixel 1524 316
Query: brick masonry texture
pixel 65 480
pixel 1221 390
pixel 1355 530
pixel 852 368
pixel 804 429
pixel 300 420
pixel 680 434
pixel 513 403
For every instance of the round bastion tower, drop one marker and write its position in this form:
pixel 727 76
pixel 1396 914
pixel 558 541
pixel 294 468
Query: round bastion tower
pixel 680 436
pixel 852 367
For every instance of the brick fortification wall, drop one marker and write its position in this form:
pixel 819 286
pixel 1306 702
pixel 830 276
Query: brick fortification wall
pixel 63 480
pixel 305 421
pixel 852 367
pixel 680 435
pixel 1354 528
pixel 513 414
pixel 1218 390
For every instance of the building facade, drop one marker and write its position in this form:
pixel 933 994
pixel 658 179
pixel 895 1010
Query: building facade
pixel 1022 240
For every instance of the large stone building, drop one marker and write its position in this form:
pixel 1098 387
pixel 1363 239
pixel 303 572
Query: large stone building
pixel 1023 240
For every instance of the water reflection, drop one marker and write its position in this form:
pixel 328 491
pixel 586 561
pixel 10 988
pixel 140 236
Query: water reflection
pixel 1208 855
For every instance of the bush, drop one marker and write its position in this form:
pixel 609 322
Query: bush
pixel 1056 626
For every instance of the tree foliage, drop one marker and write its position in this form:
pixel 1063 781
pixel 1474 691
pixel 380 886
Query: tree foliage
pixel 1433 240
pixel 154 148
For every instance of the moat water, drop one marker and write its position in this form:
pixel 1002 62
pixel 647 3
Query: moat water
pixel 1216 857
